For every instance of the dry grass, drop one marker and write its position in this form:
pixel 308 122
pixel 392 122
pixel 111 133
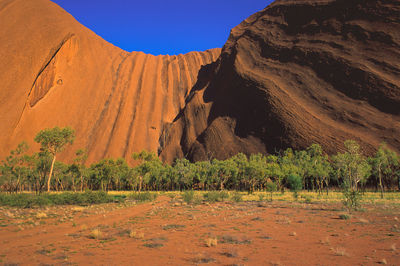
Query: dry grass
pixel 41 215
pixel 136 235
pixel 326 241
pixel 83 227
pixel 78 209
pixel 284 220
pixel 96 234
pixel 393 247
pixel 293 234
pixel 340 251
pixel 211 242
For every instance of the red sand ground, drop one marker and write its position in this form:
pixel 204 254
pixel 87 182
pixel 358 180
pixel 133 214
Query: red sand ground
pixel 167 232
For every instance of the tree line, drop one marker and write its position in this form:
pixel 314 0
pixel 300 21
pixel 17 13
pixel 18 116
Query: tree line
pixel 310 169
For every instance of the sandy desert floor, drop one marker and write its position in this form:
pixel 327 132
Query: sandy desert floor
pixel 170 232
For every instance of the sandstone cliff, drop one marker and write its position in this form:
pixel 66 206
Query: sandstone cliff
pixel 56 72
pixel 296 73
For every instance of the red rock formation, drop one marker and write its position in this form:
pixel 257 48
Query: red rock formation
pixel 298 72
pixel 56 72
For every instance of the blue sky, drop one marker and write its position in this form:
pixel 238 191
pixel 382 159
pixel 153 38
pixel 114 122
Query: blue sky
pixel 163 26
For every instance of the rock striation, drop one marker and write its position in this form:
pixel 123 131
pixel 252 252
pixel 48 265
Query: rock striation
pixel 56 72
pixel 296 73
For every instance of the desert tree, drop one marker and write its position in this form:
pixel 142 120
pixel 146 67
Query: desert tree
pixel 185 173
pixel 78 167
pixel 385 166
pixel 353 168
pixel 40 164
pixel 319 167
pixel 14 169
pixel 62 177
pixel 142 172
pixel 241 162
pixel 256 171
pixel 54 141
pixel 202 171
pixel 274 171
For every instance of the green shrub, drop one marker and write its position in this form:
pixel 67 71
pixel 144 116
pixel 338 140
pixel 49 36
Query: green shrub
pixel 237 197
pixel 25 200
pixel 223 195
pixel 351 199
pixel 271 187
pixel 307 199
pixel 188 196
pixel 344 216
pixel 214 196
pixel 261 197
pixel 295 184
pixel 143 196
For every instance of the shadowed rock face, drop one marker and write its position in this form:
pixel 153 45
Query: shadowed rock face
pixel 56 72
pixel 298 72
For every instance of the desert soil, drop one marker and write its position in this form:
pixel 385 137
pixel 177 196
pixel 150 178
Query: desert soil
pixel 169 232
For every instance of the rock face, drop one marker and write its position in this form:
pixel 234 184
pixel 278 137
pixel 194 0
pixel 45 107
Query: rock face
pixel 56 72
pixel 296 73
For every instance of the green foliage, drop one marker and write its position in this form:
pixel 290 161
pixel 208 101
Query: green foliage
pixel 25 200
pixel 145 156
pixel 55 139
pixel 307 199
pixel 352 199
pixel 143 196
pixel 344 216
pixel 188 196
pixel 311 169
pixel 351 166
pixel 109 173
pixel 318 167
pixel 15 170
pixel 385 167
pixel 237 197
pixel 271 187
pixel 215 196
pixel 294 182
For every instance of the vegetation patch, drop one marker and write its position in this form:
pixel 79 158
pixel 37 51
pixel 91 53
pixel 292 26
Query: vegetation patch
pixel 153 245
pixel 216 196
pixel 237 197
pixel 173 226
pixel 230 253
pixel 228 239
pixel 96 234
pixel 28 200
pixel 344 216
pixel 143 196
pixel 211 242
pixel 203 259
